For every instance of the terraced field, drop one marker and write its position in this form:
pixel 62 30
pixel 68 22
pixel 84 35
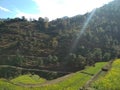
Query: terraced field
pixel 111 81
pixel 69 82
pixel 28 79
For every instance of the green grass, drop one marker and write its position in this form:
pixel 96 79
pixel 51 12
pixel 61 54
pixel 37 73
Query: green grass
pixel 97 68
pixel 28 79
pixel 72 82
pixel 111 81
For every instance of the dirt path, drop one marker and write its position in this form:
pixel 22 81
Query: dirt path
pixel 21 68
pixel 103 70
pixel 22 56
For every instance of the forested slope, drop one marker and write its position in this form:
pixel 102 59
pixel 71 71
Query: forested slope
pixel 48 44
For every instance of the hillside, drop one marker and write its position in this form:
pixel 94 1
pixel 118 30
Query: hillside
pixel 68 53
pixel 65 44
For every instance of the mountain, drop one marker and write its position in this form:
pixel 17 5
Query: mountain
pixel 56 45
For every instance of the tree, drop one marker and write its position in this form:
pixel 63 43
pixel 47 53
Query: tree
pixel 106 56
pixel 18 60
pixel 90 58
pixel 80 61
pixel 41 23
pixel 55 59
pixel 97 54
pixel 52 59
pixel 46 24
pixel 71 59
pixel 23 18
pixel 54 42
pixel 40 62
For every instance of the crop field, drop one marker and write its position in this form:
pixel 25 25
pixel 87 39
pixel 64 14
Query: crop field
pixel 111 81
pixel 28 79
pixel 73 82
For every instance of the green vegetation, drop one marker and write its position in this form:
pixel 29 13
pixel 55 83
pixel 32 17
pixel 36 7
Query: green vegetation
pixel 111 81
pixel 44 43
pixel 57 46
pixel 7 86
pixel 95 68
pixel 72 82
pixel 28 79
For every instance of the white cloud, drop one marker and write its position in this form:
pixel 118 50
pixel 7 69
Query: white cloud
pixel 4 9
pixel 27 15
pixel 58 8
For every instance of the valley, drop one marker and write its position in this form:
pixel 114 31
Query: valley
pixel 71 53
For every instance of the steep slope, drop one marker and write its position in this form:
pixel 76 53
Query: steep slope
pixel 49 45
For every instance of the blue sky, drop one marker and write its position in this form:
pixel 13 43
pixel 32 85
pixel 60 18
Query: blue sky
pixel 47 8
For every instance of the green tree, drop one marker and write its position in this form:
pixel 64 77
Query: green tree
pixel 40 62
pixel 90 58
pixel 97 54
pixel 71 59
pixel 55 59
pixel 18 59
pixel 80 61
pixel 106 56
pixel 50 58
